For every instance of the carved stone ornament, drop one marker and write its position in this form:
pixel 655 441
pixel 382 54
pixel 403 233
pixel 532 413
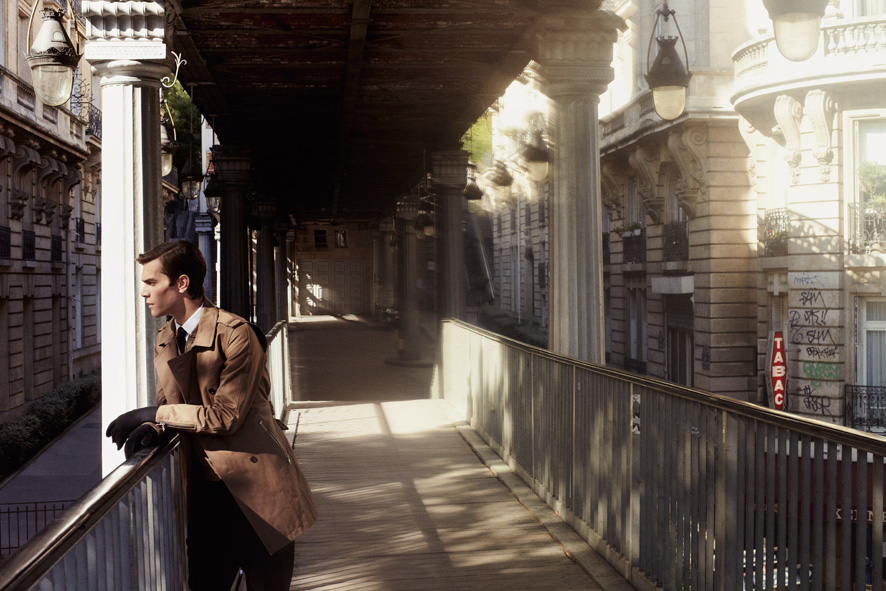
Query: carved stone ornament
pixel 612 189
pixel 18 200
pixel 646 165
pixel 64 216
pixel 789 113
pixel 749 135
pixel 44 210
pixel 687 148
pixel 820 109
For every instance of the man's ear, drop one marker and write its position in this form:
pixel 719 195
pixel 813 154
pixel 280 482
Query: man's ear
pixel 183 283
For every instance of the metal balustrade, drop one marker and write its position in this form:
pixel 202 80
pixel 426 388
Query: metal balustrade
pixel 868 227
pixel 677 488
pixel 129 531
pixel 866 408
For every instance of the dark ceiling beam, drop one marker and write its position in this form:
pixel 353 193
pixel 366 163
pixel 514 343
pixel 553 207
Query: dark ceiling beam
pixel 359 29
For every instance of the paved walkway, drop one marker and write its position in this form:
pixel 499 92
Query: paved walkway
pixel 406 504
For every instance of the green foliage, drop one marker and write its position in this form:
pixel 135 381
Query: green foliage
pixel 23 438
pixel 478 139
pixel 188 138
pixel 872 179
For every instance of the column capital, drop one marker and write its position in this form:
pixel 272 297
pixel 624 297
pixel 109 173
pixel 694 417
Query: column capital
pixel 575 52
pixel 450 168
pixel 126 40
pixel 232 163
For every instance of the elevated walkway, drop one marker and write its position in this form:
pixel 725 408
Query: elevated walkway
pixel 412 501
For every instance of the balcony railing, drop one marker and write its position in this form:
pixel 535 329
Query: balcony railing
pixel 80 230
pixel 56 251
pixel 866 408
pixel 868 227
pixel 676 241
pixel 635 366
pixel 775 233
pixel 635 247
pixel 94 121
pixel 29 245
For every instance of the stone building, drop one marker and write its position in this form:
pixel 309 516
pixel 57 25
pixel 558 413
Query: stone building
pixel 50 231
pixel 758 213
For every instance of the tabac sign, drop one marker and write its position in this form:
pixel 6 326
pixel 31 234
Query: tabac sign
pixel 778 371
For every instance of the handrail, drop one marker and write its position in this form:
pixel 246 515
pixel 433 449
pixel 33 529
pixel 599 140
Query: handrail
pixel 31 561
pixel 807 426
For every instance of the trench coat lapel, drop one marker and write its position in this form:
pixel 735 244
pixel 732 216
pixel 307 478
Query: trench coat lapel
pixel 184 367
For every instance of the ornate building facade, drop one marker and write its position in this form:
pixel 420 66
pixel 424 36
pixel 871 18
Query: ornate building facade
pixel 50 231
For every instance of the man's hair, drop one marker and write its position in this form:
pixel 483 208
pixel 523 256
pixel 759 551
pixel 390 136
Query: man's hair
pixel 179 258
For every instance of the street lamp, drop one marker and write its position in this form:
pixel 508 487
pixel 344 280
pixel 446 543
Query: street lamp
pixel 167 146
pixel 52 58
pixel 796 24
pixel 535 150
pixel 667 76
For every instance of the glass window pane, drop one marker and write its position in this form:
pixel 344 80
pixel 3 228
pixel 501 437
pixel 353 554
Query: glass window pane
pixel 875 353
pixel 876 310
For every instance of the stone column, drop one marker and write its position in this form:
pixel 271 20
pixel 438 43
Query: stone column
pixel 205 226
pixel 575 50
pixel 130 70
pixel 408 337
pixel 450 177
pixel 281 272
pixel 266 289
pixel 232 167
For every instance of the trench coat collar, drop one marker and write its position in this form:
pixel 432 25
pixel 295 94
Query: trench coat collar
pixel 202 336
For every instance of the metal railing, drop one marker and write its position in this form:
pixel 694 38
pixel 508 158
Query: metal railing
pixel 635 247
pixel 129 531
pixel 775 232
pixel 676 241
pixel 677 488
pixel 19 522
pixel 94 121
pixel 866 408
pixel 126 533
pixel 868 227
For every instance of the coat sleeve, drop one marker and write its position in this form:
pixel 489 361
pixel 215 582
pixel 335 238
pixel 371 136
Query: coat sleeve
pixel 239 382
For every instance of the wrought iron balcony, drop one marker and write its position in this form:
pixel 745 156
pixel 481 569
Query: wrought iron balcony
pixel 676 241
pixel 635 366
pixel 607 251
pixel 775 233
pixel 866 408
pixel 80 229
pixel 867 227
pixel 29 245
pixel 635 247
pixel 94 121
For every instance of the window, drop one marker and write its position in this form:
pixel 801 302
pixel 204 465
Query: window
pixel 868 207
pixel 870 7
pixel 341 238
pixel 320 239
pixel 872 343
pixel 636 313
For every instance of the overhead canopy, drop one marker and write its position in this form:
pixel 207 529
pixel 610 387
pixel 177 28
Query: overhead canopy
pixel 342 101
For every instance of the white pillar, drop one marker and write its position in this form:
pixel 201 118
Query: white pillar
pixel 575 51
pixel 130 71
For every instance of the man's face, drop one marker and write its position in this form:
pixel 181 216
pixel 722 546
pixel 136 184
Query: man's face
pixel 163 298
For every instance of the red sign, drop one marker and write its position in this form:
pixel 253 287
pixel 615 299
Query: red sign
pixel 778 370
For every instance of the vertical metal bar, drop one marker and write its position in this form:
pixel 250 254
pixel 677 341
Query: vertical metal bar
pixel 830 560
pixel 819 514
pixel 729 509
pixel 686 469
pixel 749 502
pixel 791 504
pixel 805 503
pixel 670 514
pixel 759 504
pixel 861 522
pixel 846 502
pixel 708 478
pixel 877 524
pixel 695 496
pixel 781 504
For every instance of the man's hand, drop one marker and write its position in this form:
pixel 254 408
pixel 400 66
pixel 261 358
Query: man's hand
pixel 143 436
pixel 121 427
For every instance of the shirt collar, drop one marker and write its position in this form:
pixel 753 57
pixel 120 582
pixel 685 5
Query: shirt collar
pixel 191 323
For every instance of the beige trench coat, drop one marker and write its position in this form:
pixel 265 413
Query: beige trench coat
pixel 217 390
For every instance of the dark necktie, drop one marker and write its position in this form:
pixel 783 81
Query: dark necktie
pixel 181 337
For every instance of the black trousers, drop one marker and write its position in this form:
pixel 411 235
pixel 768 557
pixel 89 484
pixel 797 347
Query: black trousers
pixel 221 542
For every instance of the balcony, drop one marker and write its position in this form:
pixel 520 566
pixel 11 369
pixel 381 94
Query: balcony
pixel 635 247
pixel 851 52
pixel 775 233
pixel 676 241
pixel 94 122
pixel 867 228
pixel 866 408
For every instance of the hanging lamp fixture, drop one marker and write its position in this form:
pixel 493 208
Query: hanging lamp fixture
pixel 668 77
pixel 52 58
pixel 797 26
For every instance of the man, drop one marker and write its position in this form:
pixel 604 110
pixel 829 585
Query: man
pixel 247 497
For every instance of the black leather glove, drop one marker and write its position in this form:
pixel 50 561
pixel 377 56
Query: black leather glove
pixel 145 435
pixel 122 426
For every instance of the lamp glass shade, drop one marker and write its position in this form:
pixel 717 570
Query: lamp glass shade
pixel 53 83
pixel 213 203
pixel 191 188
pixel 165 163
pixel 797 34
pixel 669 101
pixel 537 171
